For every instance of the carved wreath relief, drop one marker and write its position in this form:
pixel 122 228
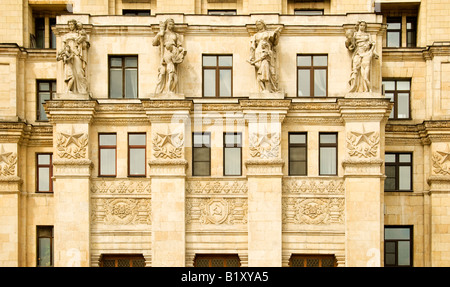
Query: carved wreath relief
pixel 8 162
pixel 121 211
pixel 264 145
pixel 71 145
pixel 168 145
pixel 441 161
pixel 363 144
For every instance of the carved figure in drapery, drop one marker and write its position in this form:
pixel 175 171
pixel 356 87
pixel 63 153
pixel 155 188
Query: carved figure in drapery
pixel 263 56
pixel 74 58
pixel 172 53
pixel 363 47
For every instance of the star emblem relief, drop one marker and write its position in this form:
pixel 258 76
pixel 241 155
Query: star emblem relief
pixel 4 155
pixel 445 154
pixel 363 137
pixel 72 138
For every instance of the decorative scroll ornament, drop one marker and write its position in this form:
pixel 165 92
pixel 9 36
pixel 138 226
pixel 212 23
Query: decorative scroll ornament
pixel 216 187
pixel 264 145
pixel 216 211
pixel 121 187
pixel 168 145
pixel 8 162
pixel 364 144
pixel 440 161
pixel 313 187
pixel 72 145
pixel 121 211
pixel 313 211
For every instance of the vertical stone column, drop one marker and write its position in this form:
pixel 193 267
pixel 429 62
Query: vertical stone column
pixel 72 171
pixel 264 173
pixel 365 120
pixel 10 185
pixel 168 177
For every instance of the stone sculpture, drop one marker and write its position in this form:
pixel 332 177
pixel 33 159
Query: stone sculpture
pixel 363 47
pixel 263 57
pixel 172 54
pixel 74 58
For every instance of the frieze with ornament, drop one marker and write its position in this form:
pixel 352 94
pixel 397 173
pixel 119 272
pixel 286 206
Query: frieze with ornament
pixel 216 211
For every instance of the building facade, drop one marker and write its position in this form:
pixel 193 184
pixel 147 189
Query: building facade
pixel 224 133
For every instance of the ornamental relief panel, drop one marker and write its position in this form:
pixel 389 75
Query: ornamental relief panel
pixel 264 145
pixel 441 161
pixel 121 211
pixel 313 211
pixel 120 187
pixel 312 186
pixel 216 211
pixel 72 145
pixel 168 145
pixel 8 162
pixel 363 144
pixel 216 187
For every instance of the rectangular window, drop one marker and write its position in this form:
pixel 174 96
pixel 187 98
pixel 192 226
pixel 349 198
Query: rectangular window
pixel 232 154
pixel 298 154
pixel 136 154
pixel 122 261
pixel 394 32
pixel 201 154
pixel 312 79
pixel 398 91
pixel 44 246
pixel 222 12
pixel 217 260
pixel 39 32
pixel 136 12
pixel 46 90
pixel 312 261
pixel 52 23
pixel 107 154
pixel 307 12
pixel 411 31
pixel 398 246
pixel 123 77
pixel 398 169
pixel 217 75
pixel 327 153
pixel 44 172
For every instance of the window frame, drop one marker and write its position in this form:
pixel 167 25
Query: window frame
pixel 305 145
pixel 123 68
pixel 394 19
pixel 397 164
pixel 117 257
pixel 313 256
pixel 411 245
pixel 137 147
pixel 396 92
pixel 50 167
pixel 217 69
pixel 38 227
pixel 311 69
pixel 100 147
pixel 235 145
pixel 38 98
pixel 203 146
pixel 335 145
pixel 210 257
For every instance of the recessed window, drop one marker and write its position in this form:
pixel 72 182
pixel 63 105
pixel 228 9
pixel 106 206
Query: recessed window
pixel 136 12
pixel 398 91
pixel 122 261
pixel 136 154
pixel 312 76
pixel 107 154
pixel 217 75
pixel 46 90
pixel 411 31
pixel 312 261
pixel 398 246
pixel 217 260
pixel 306 12
pixel 222 12
pixel 44 172
pixel 232 154
pixel 398 169
pixel 44 246
pixel 43 27
pixel 394 32
pixel 298 154
pixel 327 153
pixel 201 154
pixel 123 77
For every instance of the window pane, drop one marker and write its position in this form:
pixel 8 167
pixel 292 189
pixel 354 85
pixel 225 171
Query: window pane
pixel 205 139
pixel 327 138
pixel 42 98
pixel 201 168
pixel 209 83
pixel 389 85
pixel 136 139
pixel 44 86
pixel 137 161
pixel 108 162
pixel 297 138
pixel 389 157
pixel 397 233
pixel 198 140
pixel 297 153
pixel 389 259
pixel 404 158
pixel 404 253
pixel 390 247
pixel 320 83
pixel 44 159
pixel 209 61
pixel 131 83
pixel 320 61
pixel 405 178
pixel 131 62
pixel 232 139
pixel 328 161
pixel 115 83
pixel 304 83
pixel 225 61
pixel 201 154
pixel 393 39
pixel 108 140
pixel 394 25
pixel 232 161
pixel 308 12
pixel 44 179
pixel 403 85
pixel 52 22
pixel 225 83
pixel 304 61
pixel 297 168
pixel 44 252
pixel 403 105
pixel 202 263
pixel 116 62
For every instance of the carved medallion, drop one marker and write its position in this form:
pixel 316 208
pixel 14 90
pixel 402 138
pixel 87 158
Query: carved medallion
pixel 216 211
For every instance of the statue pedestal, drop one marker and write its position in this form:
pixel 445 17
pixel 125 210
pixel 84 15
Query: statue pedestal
pixel 267 95
pixel 72 96
pixel 167 96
